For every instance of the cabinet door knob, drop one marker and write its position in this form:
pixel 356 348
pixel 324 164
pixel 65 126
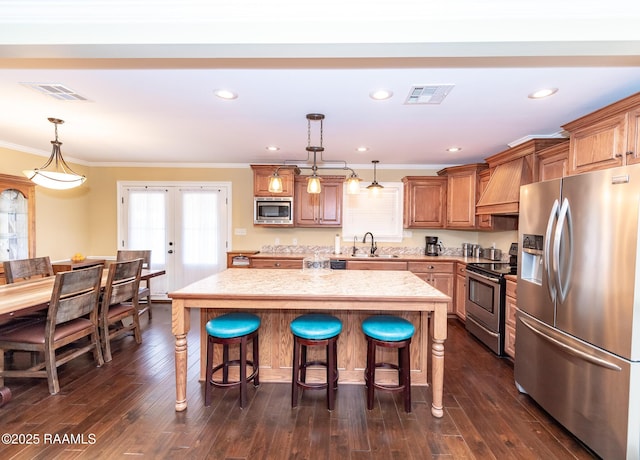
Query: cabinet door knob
pixel 630 152
pixel 277 264
pixel 618 155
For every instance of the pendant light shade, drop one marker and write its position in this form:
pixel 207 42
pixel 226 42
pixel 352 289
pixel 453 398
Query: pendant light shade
pixel 374 186
pixel 314 185
pixel 275 183
pixel 60 176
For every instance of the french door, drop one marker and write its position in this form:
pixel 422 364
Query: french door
pixel 186 226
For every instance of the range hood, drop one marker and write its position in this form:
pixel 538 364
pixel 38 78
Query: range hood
pixel 510 170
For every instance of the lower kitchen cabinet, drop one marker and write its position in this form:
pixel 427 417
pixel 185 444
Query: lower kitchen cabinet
pixel 510 319
pixel 461 290
pixel 438 274
pixel 276 263
pixel 381 265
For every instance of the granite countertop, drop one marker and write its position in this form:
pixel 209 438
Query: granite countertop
pixel 382 285
pixel 399 258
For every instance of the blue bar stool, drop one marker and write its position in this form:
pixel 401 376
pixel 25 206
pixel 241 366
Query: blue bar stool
pixel 388 332
pixel 229 329
pixel 315 330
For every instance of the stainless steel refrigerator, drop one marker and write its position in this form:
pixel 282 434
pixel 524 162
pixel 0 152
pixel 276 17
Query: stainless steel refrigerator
pixel 578 324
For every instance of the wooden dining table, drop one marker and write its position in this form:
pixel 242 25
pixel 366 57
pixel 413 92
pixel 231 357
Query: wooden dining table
pixel 337 291
pixel 25 297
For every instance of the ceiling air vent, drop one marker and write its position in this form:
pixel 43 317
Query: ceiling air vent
pixel 56 91
pixel 428 94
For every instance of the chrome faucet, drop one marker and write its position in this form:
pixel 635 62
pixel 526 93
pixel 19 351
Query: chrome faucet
pixel 374 247
pixel 354 250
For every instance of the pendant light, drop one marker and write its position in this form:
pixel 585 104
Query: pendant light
pixel 374 186
pixel 60 176
pixel 314 185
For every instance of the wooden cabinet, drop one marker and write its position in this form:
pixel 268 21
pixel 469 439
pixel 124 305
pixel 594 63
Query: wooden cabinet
pixel 438 274
pixel 606 138
pixel 17 219
pixel 276 262
pixel 510 319
pixel 240 259
pixel 553 162
pixel 461 290
pixel 462 194
pixel 262 173
pixel 424 201
pixel 377 265
pixel 322 209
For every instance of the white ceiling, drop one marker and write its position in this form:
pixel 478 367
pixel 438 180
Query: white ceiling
pixel 149 69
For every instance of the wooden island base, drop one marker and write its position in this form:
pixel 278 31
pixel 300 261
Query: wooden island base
pixel 276 347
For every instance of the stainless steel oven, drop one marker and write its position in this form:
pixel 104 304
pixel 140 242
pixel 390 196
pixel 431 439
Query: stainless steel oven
pixel 485 303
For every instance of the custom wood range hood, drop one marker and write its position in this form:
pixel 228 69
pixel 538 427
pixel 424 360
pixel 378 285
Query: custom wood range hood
pixel 509 170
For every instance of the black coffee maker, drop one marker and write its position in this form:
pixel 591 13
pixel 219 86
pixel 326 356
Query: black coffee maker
pixel 432 247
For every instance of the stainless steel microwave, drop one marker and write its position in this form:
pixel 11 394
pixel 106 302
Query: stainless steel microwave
pixel 273 210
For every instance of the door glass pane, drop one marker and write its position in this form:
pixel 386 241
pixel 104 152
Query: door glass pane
pixel 146 214
pixel 200 250
pixel 14 225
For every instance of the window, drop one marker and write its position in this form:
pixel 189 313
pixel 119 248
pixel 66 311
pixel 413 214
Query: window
pixel 379 214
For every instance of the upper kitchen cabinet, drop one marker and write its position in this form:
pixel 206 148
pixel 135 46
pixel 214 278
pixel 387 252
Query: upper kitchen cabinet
pixel 322 209
pixel 509 170
pixel 17 219
pixel 262 173
pixel 424 201
pixel 553 162
pixel 606 138
pixel 462 194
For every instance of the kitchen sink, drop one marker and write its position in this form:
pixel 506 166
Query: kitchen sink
pixel 376 256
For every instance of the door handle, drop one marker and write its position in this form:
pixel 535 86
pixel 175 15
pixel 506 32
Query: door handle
pixel 551 287
pixel 170 251
pixel 563 217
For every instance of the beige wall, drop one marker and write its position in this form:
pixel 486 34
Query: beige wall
pixel 85 219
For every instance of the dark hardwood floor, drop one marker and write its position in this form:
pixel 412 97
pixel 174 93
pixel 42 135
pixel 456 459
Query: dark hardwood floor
pixel 125 409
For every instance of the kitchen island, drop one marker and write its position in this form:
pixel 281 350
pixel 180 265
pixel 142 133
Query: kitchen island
pixel 278 296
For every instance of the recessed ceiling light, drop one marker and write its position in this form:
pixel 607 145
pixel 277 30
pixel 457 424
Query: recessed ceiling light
pixel 225 94
pixel 543 93
pixel 272 148
pixel 362 149
pixel 454 149
pixel 381 94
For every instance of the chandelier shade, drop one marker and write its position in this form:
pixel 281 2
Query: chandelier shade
pixel 59 176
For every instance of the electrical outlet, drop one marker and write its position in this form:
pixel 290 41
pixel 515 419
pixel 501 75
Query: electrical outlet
pixel 277 241
pixel 240 231
pixel 295 241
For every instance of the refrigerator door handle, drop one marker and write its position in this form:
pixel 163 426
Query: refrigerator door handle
pixel 551 287
pixel 569 349
pixel 563 217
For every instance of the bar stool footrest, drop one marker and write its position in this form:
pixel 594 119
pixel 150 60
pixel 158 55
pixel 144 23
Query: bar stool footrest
pixel 221 384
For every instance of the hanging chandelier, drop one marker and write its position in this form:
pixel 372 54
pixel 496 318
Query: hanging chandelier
pixel 314 181
pixel 60 176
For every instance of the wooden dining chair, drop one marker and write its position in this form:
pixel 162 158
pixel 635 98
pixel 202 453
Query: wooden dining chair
pixel 120 301
pixel 72 318
pixel 145 288
pixel 24 269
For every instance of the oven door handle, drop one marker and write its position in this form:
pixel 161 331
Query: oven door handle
pixel 472 274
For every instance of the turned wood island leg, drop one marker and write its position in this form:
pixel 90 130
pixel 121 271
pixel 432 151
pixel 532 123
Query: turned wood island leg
pixel 438 335
pixel 180 327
